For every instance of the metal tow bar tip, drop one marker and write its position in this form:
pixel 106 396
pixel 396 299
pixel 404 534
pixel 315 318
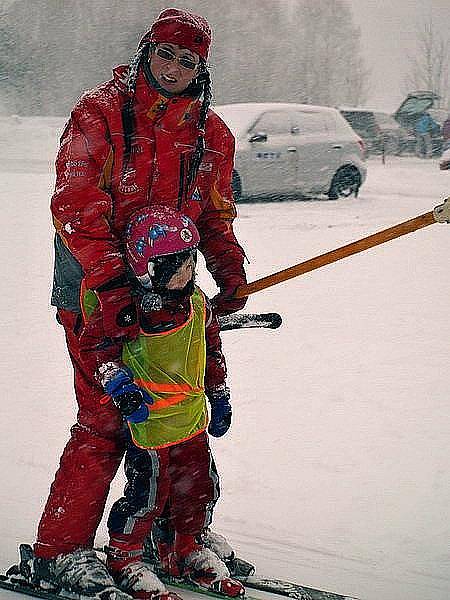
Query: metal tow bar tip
pixel 442 212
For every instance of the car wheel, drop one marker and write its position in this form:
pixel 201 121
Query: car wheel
pixel 346 181
pixel 236 186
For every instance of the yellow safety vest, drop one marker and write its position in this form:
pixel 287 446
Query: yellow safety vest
pixel 171 366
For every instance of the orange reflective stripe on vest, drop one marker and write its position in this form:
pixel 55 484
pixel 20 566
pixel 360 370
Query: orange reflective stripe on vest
pixel 176 392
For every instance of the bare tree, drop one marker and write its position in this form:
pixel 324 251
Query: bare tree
pixel 429 68
pixel 326 43
pixel 264 50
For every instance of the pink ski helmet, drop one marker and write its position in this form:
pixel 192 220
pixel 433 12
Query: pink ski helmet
pixel 157 231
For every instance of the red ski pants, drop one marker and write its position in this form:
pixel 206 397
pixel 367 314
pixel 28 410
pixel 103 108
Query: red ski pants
pixel 88 465
pixel 180 480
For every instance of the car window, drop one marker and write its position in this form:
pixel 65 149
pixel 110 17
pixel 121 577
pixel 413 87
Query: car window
pixel 381 118
pixel 274 122
pixel 361 121
pixel 310 122
pixel 386 120
pixel 415 106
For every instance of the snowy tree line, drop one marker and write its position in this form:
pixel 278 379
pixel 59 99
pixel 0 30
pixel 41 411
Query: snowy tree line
pixel 264 50
pixel 429 68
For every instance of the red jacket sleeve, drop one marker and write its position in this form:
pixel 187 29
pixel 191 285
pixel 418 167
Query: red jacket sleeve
pixel 94 347
pixel 223 254
pixel 81 209
pixel 216 370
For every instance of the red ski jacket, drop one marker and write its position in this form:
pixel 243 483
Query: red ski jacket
pixel 97 189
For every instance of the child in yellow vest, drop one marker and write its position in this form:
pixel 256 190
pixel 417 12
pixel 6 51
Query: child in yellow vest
pixel 159 382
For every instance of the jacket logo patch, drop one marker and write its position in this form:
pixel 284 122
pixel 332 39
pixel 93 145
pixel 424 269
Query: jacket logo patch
pixel 196 196
pixel 75 168
pixel 76 163
pixel 205 166
pixel 127 184
pixel 186 235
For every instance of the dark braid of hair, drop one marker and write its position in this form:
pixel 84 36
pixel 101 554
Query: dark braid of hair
pixel 128 119
pixel 128 128
pixel 203 80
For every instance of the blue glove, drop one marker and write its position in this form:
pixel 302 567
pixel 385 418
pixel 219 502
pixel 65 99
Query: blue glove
pixel 220 412
pixel 129 398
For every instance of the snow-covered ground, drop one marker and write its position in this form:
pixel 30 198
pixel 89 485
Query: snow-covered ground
pixel 335 473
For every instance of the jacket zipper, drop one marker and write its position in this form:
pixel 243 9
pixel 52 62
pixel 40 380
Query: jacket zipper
pixel 181 182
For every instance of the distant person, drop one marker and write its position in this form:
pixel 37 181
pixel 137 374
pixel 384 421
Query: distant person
pixel 424 129
pixel 145 137
pixel 446 133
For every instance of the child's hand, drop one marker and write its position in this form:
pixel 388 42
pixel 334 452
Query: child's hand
pixel 220 411
pixel 131 400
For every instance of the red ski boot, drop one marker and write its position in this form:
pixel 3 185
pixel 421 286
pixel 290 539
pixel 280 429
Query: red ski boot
pixel 167 559
pixel 139 581
pixel 134 576
pixel 205 569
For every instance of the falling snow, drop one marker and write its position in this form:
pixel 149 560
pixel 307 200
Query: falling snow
pixel 335 472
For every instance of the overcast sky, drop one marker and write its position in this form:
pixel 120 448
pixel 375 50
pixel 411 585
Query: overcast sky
pixel 388 34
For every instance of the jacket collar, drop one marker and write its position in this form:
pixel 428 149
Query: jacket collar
pixel 171 110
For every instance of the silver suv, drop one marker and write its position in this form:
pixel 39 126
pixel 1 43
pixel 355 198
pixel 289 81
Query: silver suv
pixel 287 149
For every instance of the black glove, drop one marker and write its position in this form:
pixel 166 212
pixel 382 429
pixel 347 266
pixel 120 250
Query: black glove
pixel 225 302
pixel 118 309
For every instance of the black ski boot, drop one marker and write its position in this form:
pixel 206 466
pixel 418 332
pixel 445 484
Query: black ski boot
pixel 79 572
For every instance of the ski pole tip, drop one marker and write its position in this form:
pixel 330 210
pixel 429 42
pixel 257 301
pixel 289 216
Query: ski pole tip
pixel 275 320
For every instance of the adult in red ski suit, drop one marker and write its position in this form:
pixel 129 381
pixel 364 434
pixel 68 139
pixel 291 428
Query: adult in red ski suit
pixel 145 137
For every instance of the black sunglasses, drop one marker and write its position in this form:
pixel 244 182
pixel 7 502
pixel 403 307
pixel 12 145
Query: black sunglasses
pixel 184 61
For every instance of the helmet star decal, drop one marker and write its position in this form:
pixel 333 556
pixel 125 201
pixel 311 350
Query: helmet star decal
pixel 157 231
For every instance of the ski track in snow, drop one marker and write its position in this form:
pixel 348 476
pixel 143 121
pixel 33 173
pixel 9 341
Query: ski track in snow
pixel 335 472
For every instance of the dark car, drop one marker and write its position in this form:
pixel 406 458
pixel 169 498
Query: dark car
pixel 444 163
pixel 412 108
pixel 379 130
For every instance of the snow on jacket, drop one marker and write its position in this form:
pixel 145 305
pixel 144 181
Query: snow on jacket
pixel 97 190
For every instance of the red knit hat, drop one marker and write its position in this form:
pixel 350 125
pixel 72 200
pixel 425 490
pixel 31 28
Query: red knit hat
pixel 182 28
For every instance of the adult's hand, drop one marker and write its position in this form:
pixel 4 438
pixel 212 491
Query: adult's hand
pixel 225 302
pixel 118 310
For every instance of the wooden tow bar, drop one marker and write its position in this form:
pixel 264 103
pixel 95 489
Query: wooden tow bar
pixel 441 214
